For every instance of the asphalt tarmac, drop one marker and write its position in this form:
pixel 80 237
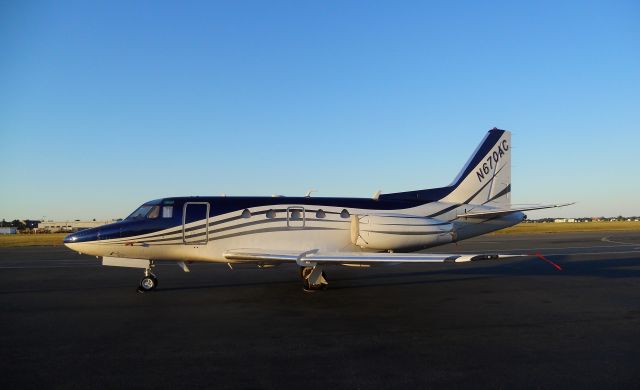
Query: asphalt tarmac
pixel 67 322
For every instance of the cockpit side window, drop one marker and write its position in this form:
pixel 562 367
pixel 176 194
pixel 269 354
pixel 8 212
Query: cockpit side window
pixel 140 213
pixel 167 211
pixel 154 212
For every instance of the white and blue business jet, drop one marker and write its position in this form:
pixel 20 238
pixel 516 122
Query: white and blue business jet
pixel 315 233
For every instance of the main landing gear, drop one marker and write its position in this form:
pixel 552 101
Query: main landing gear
pixel 313 278
pixel 149 282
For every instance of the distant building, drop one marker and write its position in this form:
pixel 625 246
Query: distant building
pixel 565 220
pixel 69 226
pixel 31 224
pixel 8 230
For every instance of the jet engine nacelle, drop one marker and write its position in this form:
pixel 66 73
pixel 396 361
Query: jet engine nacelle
pixel 399 232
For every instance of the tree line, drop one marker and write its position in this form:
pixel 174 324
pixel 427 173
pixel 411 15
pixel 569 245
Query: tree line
pixel 16 223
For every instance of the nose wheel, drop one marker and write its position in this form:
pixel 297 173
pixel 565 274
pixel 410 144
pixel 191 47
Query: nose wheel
pixel 148 283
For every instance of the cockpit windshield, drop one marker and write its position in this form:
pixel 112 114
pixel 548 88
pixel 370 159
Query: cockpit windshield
pixel 153 210
pixel 145 211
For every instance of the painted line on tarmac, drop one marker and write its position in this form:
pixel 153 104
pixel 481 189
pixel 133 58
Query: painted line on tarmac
pixel 539 256
pixel 72 266
pixel 606 239
pixel 592 253
pixel 49 266
pixel 507 252
pixel 550 248
pixel 45 264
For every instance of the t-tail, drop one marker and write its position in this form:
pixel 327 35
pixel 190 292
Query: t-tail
pixel 484 180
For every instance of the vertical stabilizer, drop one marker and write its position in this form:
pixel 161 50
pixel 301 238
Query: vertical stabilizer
pixel 486 178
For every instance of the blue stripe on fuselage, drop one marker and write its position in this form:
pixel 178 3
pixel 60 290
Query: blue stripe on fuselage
pixel 435 194
pixel 223 205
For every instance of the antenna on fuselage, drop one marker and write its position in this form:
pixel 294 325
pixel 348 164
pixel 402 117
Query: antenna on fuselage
pixel 308 194
pixel 376 195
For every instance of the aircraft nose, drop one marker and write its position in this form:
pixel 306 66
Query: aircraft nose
pixel 82 236
pixel 70 238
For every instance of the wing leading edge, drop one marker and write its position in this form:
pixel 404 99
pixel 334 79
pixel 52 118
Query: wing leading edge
pixel 314 257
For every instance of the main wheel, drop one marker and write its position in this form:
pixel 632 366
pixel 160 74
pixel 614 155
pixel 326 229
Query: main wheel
pixel 304 272
pixel 148 283
pixel 306 286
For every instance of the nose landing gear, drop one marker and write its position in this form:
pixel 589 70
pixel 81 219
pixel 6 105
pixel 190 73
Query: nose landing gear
pixel 148 283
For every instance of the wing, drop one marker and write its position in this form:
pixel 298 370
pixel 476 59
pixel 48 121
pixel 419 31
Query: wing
pixel 500 212
pixel 313 257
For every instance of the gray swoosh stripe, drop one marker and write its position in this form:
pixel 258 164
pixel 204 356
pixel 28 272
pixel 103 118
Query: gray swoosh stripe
pixel 237 226
pixel 447 209
pixel 241 225
pixel 213 223
pixel 408 233
pixel 258 231
pixel 500 194
pixel 409 225
pixel 267 230
pixel 484 186
pixel 212 232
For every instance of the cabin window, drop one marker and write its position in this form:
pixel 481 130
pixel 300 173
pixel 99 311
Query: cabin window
pixel 271 214
pixel 246 213
pixel 167 211
pixel 320 214
pixel 344 214
pixel 295 215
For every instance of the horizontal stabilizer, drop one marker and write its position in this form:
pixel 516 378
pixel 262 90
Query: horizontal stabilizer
pixel 501 212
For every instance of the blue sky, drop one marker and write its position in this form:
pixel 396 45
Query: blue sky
pixel 105 105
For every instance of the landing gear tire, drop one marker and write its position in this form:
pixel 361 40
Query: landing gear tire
pixel 148 283
pixel 306 285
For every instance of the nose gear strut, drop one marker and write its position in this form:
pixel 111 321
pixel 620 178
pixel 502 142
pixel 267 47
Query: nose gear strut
pixel 149 282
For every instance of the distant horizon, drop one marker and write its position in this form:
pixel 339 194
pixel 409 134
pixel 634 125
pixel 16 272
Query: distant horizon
pixel 637 216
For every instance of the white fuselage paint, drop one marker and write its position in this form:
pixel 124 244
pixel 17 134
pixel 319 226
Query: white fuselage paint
pixel 233 230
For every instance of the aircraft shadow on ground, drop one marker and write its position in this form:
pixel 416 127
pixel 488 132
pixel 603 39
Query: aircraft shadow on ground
pixel 571 265
pixel 614 268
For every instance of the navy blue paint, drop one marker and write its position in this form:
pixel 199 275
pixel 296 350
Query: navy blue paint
pixel 126 228
pixel 226 204
pixel 222 205
pixel 435 194
pixel 196 212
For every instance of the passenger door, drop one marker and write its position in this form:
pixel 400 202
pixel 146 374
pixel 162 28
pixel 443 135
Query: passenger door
pixel 197 233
